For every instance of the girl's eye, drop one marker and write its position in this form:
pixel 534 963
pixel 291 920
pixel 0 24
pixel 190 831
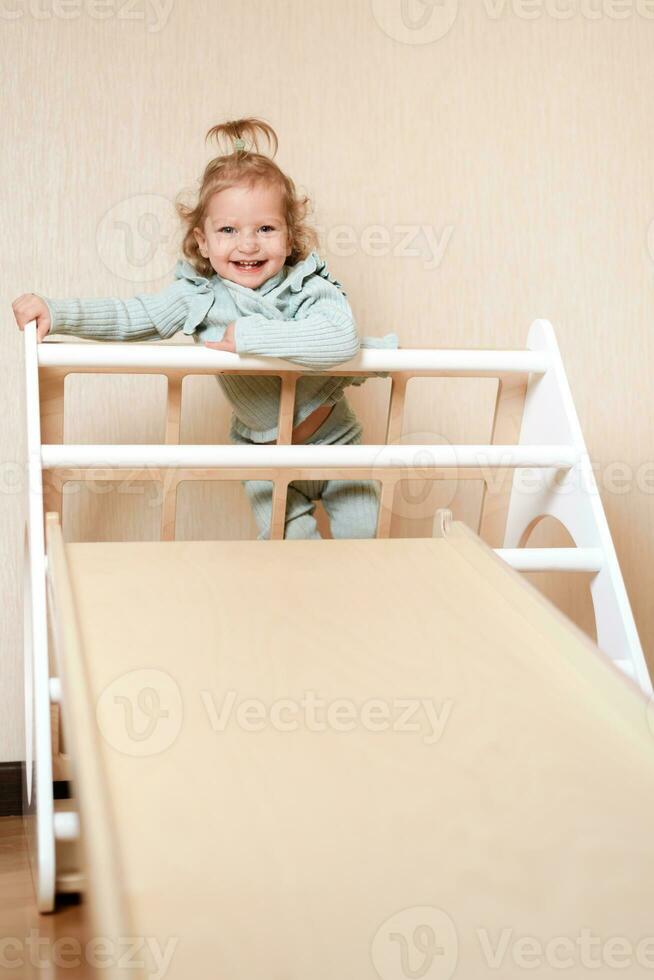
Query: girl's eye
pixel 228 228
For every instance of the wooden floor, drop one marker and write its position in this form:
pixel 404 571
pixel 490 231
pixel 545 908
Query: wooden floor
pixel 33 945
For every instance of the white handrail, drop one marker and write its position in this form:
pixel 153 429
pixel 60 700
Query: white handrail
pixel 478 363
pixel 552 559
pixel 419 457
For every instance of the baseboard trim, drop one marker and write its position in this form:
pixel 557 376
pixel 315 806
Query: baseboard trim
pixel 11 789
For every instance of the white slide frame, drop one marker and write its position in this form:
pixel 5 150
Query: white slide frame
pixel 550 443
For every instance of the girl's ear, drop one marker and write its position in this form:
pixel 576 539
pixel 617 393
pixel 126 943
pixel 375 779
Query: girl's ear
pixel 202 242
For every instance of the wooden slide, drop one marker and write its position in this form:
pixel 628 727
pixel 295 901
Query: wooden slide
pixel 349 759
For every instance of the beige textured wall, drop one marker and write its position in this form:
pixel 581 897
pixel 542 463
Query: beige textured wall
pixel 511 143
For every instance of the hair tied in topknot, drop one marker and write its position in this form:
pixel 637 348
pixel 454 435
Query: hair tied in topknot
pixel 241 136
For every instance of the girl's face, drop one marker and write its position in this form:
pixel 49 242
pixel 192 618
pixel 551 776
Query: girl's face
pixel 245 224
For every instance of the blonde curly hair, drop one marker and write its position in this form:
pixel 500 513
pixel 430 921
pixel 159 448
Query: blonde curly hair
pixel 239 164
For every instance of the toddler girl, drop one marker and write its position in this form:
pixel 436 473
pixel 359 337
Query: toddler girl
pixel 252 284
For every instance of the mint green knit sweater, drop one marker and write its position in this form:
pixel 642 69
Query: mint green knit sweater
pixel 300 314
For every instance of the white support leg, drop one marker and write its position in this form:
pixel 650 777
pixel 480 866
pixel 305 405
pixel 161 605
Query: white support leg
pixel 572 497
pixel 38 801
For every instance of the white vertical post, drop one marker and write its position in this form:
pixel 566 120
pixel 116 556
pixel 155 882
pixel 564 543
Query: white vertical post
pixel 38 800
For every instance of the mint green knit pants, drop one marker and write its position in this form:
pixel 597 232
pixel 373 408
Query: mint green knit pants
pixel 352 506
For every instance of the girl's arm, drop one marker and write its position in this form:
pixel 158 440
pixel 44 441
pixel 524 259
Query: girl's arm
pixel 321 334
pixel 182 305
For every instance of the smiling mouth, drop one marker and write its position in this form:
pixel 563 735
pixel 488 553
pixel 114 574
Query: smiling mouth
pixel 249 265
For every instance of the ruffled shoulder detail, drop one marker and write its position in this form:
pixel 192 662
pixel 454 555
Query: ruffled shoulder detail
pixel 202 295
pixel 184 270
pixel 322 270
pixel 312 265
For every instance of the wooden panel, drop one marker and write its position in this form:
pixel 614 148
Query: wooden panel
pixel 307 814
